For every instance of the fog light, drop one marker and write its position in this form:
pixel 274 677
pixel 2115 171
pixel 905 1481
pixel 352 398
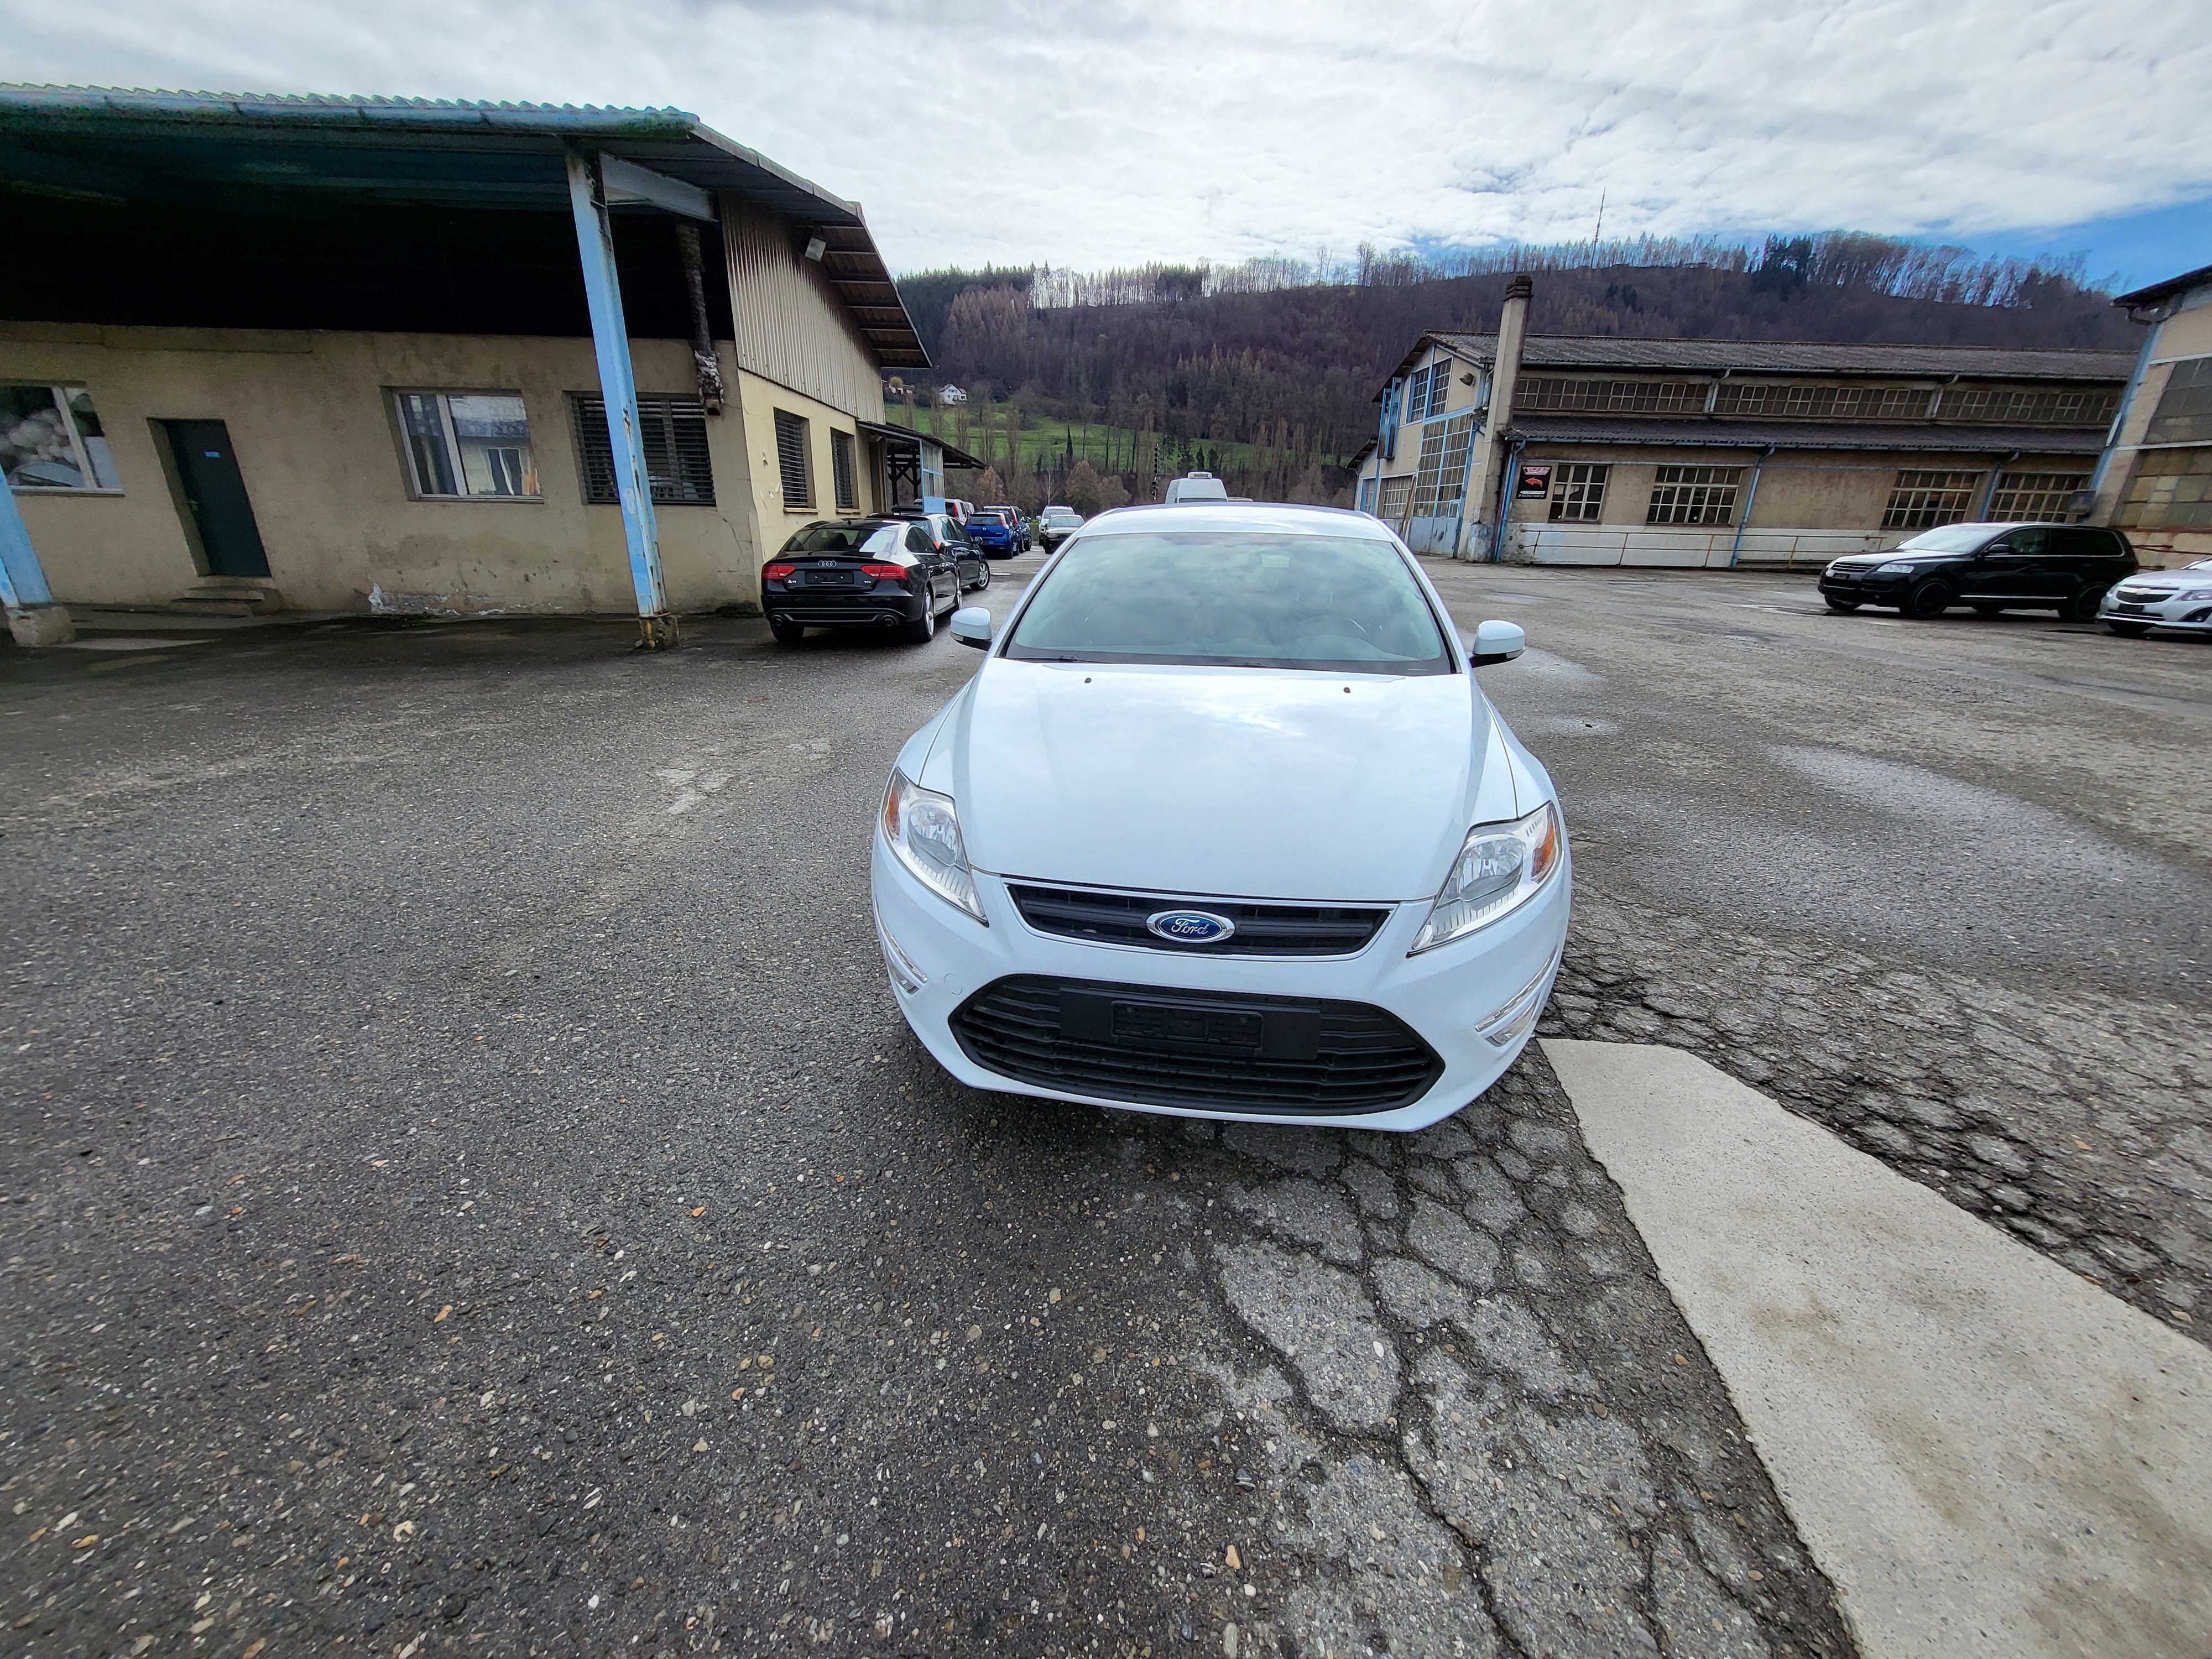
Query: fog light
pixel 904 974
pixel 1513 1020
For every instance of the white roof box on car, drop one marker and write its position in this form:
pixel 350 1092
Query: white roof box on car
pixel 1196 487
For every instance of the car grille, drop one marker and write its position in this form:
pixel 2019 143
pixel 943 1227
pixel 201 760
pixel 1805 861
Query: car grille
pixel 1212 1050
pixel 1262 930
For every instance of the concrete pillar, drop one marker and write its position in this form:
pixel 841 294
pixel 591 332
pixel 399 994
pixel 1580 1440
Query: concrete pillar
pixel 1494 442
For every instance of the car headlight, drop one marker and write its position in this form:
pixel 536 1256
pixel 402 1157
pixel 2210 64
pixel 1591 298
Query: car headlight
pixel 2192 594
pixel 923 830
pixel 1896 567
pixel 1500 867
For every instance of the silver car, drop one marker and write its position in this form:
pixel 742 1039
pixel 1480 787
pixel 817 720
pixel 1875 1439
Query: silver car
pixel 2180 599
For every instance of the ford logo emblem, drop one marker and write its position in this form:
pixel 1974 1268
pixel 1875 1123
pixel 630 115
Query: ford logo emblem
pixel 1190 926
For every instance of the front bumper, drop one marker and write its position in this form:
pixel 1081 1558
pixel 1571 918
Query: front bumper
pixel 1864 590
pixel 1443 995
pixel 2184 616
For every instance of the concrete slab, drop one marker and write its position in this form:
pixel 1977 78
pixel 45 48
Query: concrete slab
pixel 1986 1454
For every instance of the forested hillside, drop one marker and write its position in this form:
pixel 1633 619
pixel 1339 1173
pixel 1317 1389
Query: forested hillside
pixel 1275 386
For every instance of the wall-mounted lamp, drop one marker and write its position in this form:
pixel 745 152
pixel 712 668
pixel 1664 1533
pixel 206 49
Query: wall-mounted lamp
pixel 815 247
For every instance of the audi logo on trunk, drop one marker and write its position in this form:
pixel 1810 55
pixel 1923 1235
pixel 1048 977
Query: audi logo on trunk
pixel 1190 926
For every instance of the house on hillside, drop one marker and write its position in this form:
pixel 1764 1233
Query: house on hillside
pixel 2155 480
pixel 1609 451
pixel 350 355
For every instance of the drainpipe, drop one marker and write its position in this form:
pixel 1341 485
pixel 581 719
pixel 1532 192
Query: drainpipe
pixel 1989 490
pixel 1505 373
pixel 705 362
pixel 1750 497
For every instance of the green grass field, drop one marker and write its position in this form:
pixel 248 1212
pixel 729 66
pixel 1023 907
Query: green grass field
pixel 1045 440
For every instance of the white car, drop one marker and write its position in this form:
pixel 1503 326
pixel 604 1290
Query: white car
pixel 2180 599
pixel 1224 828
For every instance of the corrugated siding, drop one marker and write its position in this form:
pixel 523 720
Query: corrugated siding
pixel 791 326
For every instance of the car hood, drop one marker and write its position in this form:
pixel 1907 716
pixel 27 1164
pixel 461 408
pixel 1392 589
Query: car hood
pixel 1225 781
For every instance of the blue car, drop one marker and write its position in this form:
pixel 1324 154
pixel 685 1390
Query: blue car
pixel 992 533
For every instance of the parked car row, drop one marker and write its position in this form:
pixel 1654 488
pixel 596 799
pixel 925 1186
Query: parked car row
pixel 900 571
pixel 2082 572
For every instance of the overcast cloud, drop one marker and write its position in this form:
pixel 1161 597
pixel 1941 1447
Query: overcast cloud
pixel 1113 133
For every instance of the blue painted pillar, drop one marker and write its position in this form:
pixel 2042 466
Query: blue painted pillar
pixel 618 389
pixel 32 617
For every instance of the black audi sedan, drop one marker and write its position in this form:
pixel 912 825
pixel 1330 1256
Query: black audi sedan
pixel 1990 568
pixel 890 574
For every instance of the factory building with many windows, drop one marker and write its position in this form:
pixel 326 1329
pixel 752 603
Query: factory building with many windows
pixel 1606 451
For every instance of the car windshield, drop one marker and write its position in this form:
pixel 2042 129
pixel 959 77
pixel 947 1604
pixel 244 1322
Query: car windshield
pixel 1952 539
pixel 1234 599
pixel 1060 514
pixel 865 537
pixel 2200 564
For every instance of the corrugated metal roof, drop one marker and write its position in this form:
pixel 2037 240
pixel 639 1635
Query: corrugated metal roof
pixel 130 145
pixel 1603 351
pixel 1551 429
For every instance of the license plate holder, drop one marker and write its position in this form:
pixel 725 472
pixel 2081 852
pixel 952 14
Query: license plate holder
pixel 1169 1024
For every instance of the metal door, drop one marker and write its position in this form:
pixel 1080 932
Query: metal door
pixel 215 495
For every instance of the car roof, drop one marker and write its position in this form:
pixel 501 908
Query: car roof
pixel 1283 518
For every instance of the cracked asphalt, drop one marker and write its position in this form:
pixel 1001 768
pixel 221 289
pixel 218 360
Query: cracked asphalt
pixel 470 1190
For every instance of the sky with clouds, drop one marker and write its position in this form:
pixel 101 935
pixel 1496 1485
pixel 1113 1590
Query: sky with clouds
pixel 1121 131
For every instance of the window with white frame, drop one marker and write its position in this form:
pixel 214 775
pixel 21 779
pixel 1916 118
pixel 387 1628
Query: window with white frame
pixel 1693 494
pixel 1922 498
pixel 1578 491
pixel 1397 491
pixel 51 439
pixel 1417 397
pixel 1440 373
pixel 463 446
pixel 2036 494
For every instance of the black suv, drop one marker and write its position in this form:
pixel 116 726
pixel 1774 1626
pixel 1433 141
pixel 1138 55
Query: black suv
pixel 2064 568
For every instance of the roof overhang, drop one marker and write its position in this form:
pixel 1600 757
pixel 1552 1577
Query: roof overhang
pixel 2172 288
pixel 310 156
pixel 954 455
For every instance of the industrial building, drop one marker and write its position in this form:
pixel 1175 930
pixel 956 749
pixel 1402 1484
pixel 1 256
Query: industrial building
pixel 2155 480
pixel 1611 451
pixel 359 355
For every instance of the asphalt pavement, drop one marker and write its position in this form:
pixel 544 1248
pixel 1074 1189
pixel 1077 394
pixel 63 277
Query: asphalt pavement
pixel 470 1190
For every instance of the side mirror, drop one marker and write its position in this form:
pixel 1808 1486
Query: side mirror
pixel 971 625
pixel 1493 641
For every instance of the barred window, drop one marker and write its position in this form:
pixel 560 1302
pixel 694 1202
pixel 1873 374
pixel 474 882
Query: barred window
pixel 1452 480
pixel 1611 397
pixel 1922 499
pixel 1440 373
pixel 2172 490
pixel 1429 472
pixel 2035 494
pixel 2029 405
pixel 1578 491
pixel 1822 401
pixel 1693 494
pixel 672 432
pixel 790 460
pixel 843 478
pixel 2184 415
pixel 1367 495
pixel 1417 397
pixel 1396 493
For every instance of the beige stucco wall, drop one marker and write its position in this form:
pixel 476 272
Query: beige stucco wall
pixel 2187 333
pixel 310 419
pixel 759 399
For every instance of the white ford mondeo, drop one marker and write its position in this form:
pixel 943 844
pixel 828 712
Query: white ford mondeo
pixel 1222 827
